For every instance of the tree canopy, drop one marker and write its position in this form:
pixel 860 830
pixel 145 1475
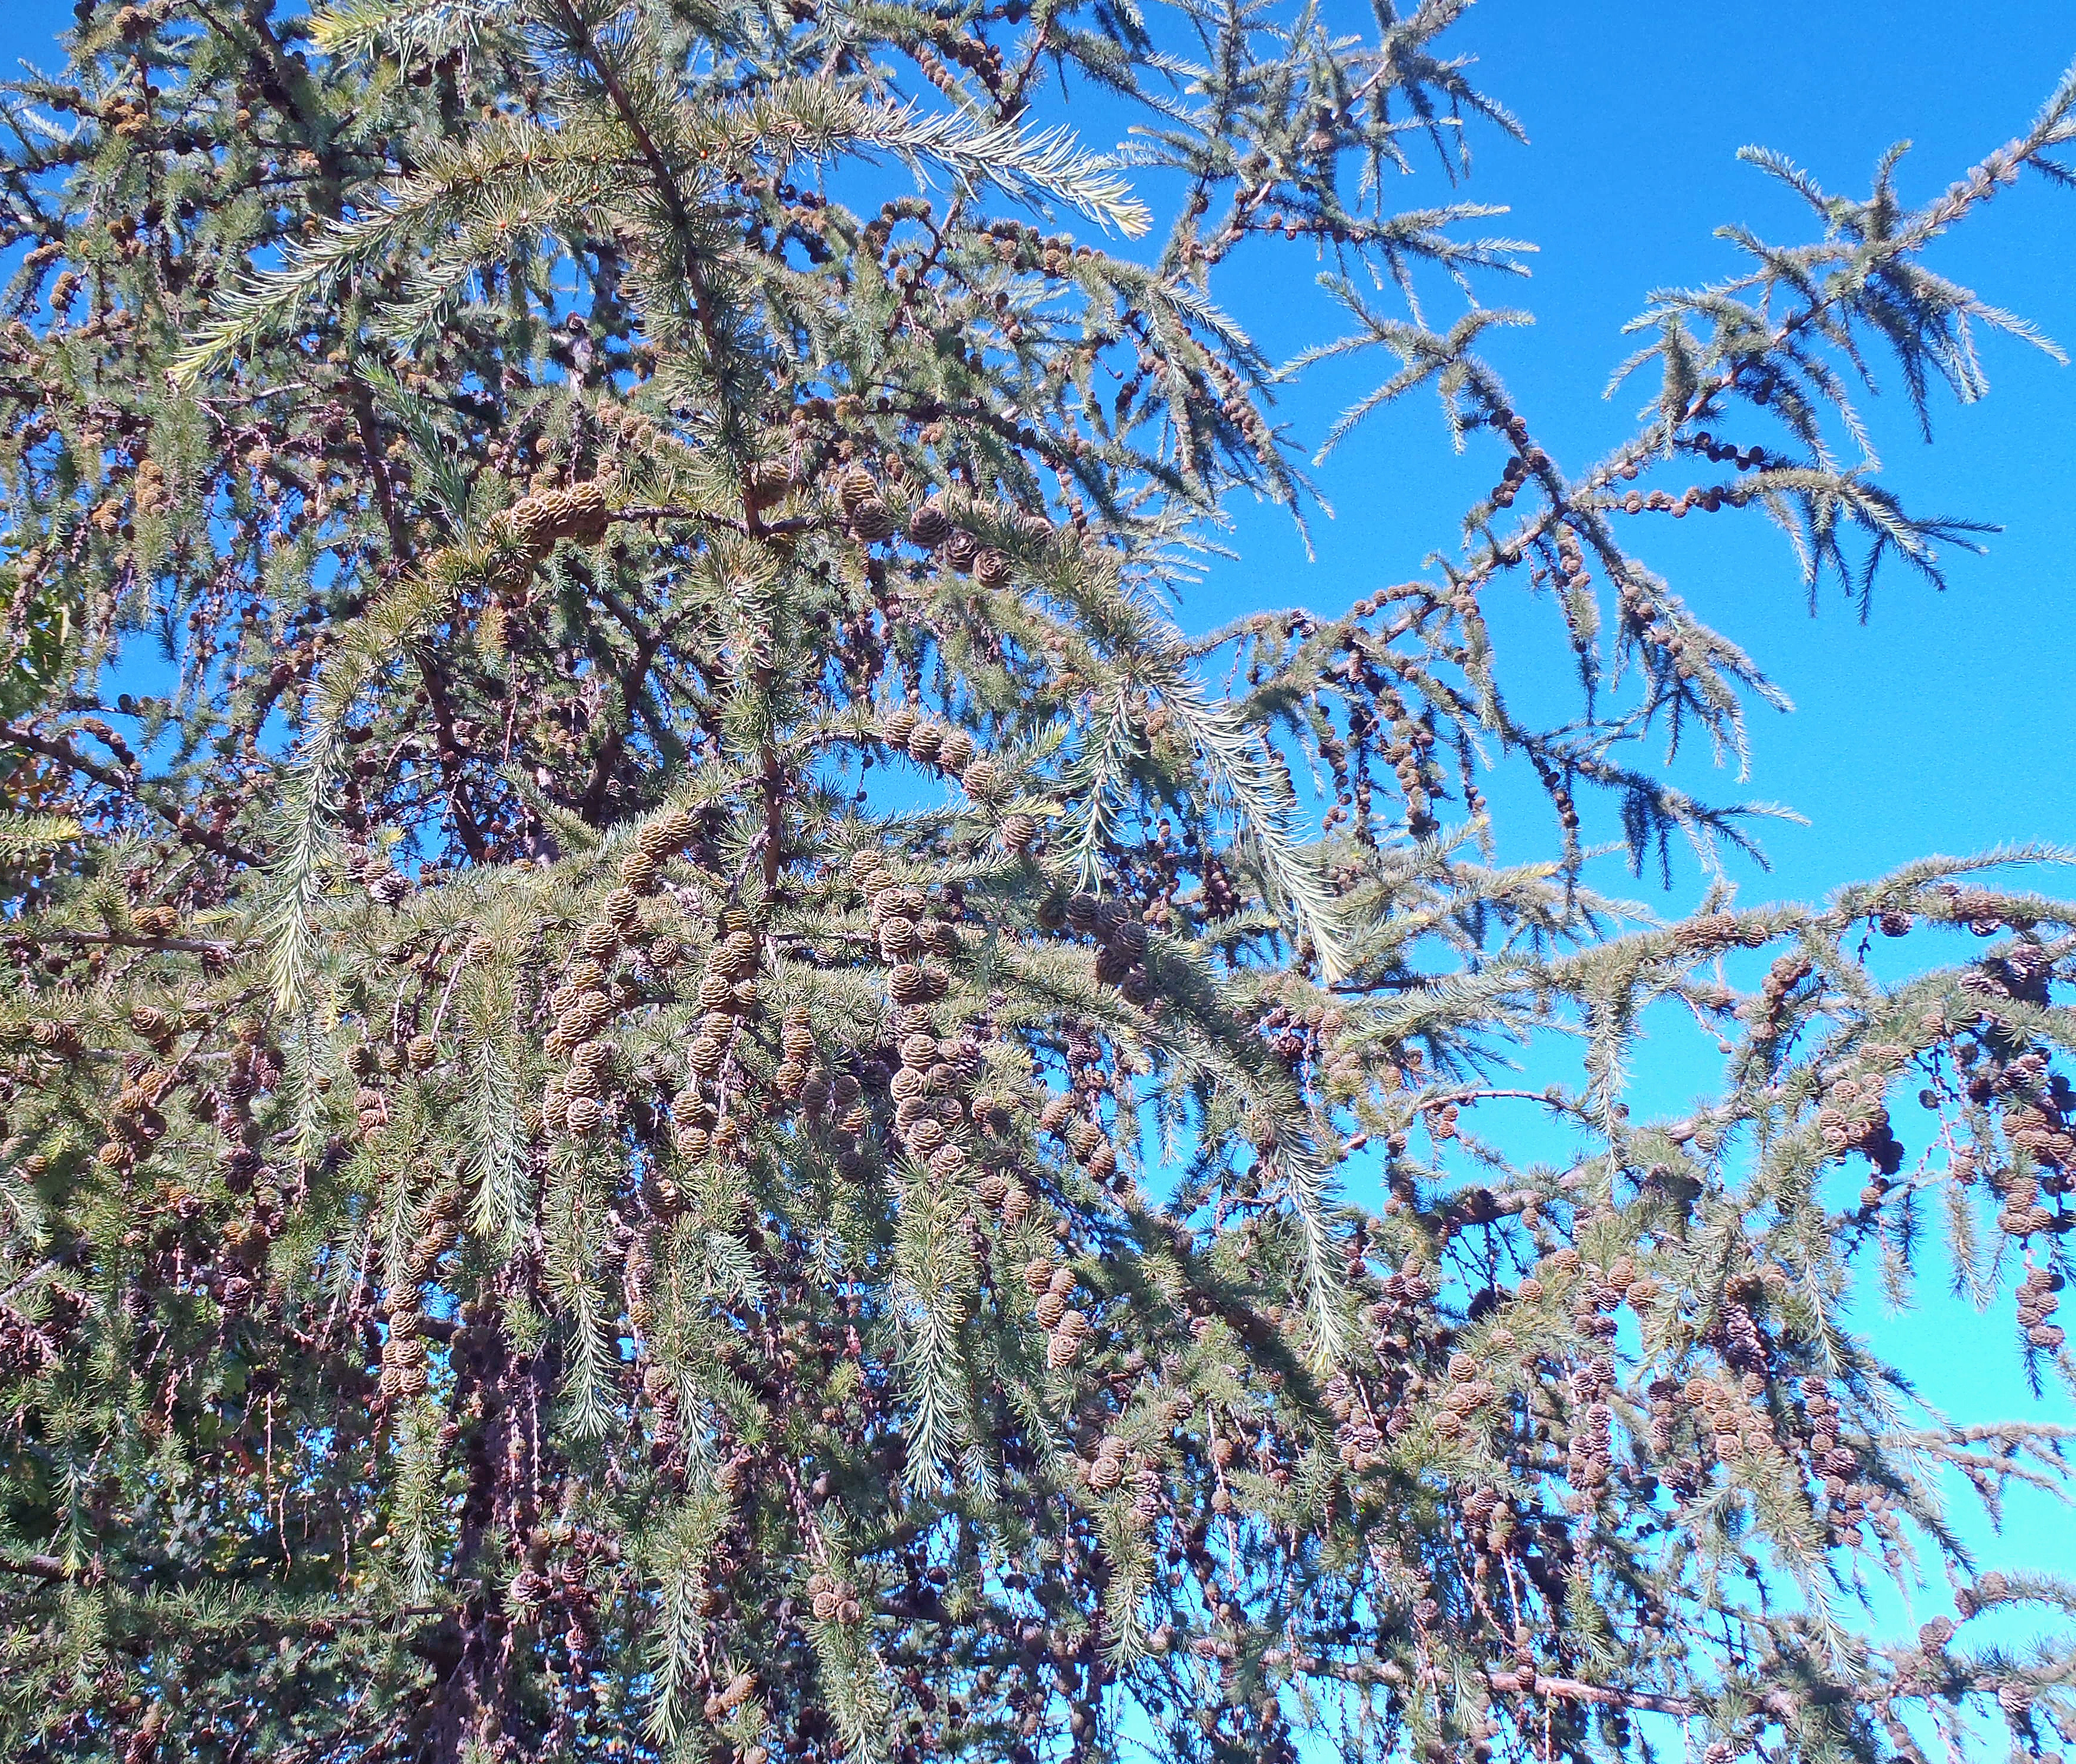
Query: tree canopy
pixel 681 1079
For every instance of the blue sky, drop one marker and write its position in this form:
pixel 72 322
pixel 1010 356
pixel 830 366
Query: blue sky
pixel 1943 725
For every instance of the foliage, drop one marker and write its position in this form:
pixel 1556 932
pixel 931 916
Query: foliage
pixel 678 1078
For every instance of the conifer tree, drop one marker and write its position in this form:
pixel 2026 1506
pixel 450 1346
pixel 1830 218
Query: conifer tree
pixel 680 1082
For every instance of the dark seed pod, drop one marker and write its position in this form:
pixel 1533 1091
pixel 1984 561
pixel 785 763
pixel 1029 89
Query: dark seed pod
pixel 873 522
pixel 930 526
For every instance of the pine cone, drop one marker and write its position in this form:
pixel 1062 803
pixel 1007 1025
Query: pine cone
pixel 899 725
pixel 930 526
pixel 1065 1348
pixel 857 488
pixel 957 752
pixel 873 521
pixel 926 741
pixel 992 568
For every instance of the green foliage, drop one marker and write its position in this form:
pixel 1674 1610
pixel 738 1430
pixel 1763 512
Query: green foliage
pixel 692 1087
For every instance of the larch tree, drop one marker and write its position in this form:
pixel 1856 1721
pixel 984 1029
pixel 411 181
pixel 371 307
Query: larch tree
pixel 681 1081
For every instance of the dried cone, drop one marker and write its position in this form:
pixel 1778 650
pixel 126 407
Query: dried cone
pixel 1020 832
pixel 926 741
pixel 584 1114
pixel 913 984
pixel 961 550
pixel 1065 1347
pixel 992 568
pixel 930 526
pixel 873 522
pixel 899 725
pixel 1051 1308
pixel 982 780
pixel 957 752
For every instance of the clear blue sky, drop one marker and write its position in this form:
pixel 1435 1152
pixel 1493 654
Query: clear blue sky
pixel 1944 725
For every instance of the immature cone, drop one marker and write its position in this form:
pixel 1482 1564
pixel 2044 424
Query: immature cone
pixel 856 488
pixel 641 871
pixel 579 512
pixel 737 955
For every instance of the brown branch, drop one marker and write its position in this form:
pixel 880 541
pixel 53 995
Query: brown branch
pixel 67 755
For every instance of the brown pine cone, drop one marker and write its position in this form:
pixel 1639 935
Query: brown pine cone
pixel 930 526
